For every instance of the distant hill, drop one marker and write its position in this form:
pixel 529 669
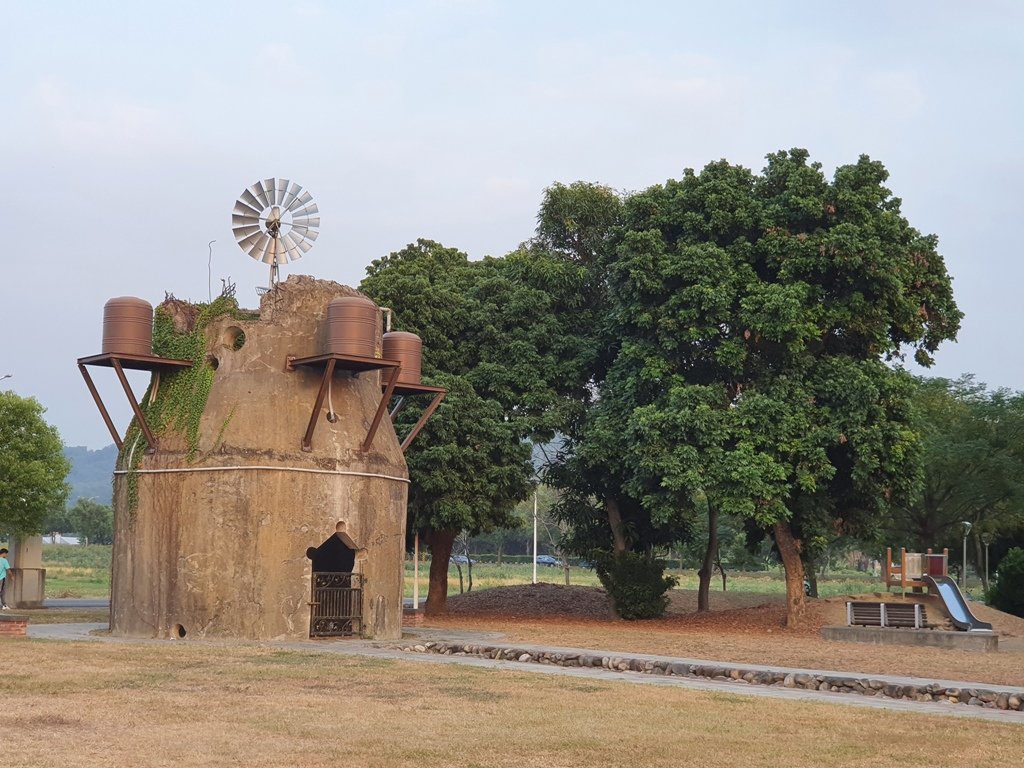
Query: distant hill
pixel 91 473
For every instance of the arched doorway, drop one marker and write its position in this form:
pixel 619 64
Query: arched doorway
pixel 336 607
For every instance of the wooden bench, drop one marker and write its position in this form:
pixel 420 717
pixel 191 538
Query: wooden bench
pixel 869 614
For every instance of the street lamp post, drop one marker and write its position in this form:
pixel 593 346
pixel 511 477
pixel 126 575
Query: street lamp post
pixel 963 572
pixel 535 536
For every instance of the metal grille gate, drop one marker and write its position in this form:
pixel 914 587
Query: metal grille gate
pixel 336 608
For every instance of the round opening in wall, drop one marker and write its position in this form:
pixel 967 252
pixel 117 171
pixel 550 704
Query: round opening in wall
pixel 178 632
pixel 233 338
pixel 332 417
pixel 213 362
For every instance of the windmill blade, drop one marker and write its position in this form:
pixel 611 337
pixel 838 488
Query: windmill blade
pixel 249 241
pixel 242 233
pixel 271 186
pixel 259 248
pixel 271 255
pixel 307 233
pixel 300 201
pixel 261 195
pixel 244 219
pixel 293 192
pixel 280 187
pixel 248 198
pixel 305 246
pixel 309 210
pixel 244 209
pixel 282 191
pixel 288 243
pixel 311 223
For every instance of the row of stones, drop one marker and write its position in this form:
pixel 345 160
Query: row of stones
pixel 930 692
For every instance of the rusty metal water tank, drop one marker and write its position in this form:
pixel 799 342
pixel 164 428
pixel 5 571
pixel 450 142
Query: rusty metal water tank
pixel 352 326
pixel 128 326
pixel 406 348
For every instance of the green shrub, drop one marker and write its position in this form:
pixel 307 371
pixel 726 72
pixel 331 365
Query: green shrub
pixel 636 583
pixel 1008 592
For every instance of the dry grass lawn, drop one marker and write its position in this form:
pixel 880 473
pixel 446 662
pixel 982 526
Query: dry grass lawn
pixel 741 627
pixel 68 704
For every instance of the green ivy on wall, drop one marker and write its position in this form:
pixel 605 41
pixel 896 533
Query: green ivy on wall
pixel 180 396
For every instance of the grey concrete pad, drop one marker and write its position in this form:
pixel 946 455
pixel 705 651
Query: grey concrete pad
pixel 984 641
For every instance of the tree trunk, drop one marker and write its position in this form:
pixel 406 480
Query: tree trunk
pixel 812 578
pixel 611 508
pixel 440 543
pixel 707 568
pixel 789 550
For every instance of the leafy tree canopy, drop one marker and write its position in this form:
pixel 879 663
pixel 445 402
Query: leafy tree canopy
pixel 493 342
pixel 87 518
pixel 752 316
pixel 33 469
pixel 973 448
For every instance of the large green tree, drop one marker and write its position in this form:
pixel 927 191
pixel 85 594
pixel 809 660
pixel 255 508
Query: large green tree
pixel 87 518
pixel 492 342
pixel 753 317
pixel 33 469
pixel 973 448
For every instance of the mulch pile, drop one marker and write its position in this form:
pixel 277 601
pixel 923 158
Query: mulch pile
pixel 739 613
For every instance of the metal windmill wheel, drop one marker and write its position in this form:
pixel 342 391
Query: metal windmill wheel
pixel 275 222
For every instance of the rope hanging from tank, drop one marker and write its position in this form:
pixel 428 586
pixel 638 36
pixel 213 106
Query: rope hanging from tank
pixel 344 472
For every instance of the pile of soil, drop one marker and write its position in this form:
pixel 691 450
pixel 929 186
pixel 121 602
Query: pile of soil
pixel 534 601
pixel 731 612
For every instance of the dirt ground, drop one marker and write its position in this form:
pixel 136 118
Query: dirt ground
pixel 741 627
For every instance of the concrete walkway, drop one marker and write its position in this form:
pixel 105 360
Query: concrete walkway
pixel 390 650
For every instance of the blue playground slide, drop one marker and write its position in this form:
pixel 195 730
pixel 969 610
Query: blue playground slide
pixel 951 595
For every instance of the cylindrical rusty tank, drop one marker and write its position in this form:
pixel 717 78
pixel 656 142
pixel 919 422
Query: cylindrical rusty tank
pixel 406 348
pixel 352 326
pixel 128 326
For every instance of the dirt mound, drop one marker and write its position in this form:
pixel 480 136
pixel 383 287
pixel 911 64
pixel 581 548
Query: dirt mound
pixel 731 612
pixel 739 612
pixel 534 600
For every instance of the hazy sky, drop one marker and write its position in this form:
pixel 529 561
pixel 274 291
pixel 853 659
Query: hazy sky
pixel 127 131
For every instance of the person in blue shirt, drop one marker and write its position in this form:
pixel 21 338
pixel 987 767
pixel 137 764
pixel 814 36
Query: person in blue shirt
pixel 5 566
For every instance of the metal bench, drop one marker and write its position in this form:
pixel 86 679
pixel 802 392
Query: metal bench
pixel 870 614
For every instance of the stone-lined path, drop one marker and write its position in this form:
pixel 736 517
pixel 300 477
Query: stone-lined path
pixel 487 650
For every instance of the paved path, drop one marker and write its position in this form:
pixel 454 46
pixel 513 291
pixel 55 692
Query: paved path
pixel 386 650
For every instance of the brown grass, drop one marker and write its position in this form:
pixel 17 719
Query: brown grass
pixel 742 627
pixel 196 704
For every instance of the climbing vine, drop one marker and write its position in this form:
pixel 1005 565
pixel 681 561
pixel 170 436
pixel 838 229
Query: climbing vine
pixel 175 401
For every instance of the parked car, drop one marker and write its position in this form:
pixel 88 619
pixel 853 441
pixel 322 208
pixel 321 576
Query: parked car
pixel 462 560
pixel 548 560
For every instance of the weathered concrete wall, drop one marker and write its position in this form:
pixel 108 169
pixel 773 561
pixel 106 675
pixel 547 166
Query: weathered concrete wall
pixel 932 638
pixel 217 546
pixel 27 587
